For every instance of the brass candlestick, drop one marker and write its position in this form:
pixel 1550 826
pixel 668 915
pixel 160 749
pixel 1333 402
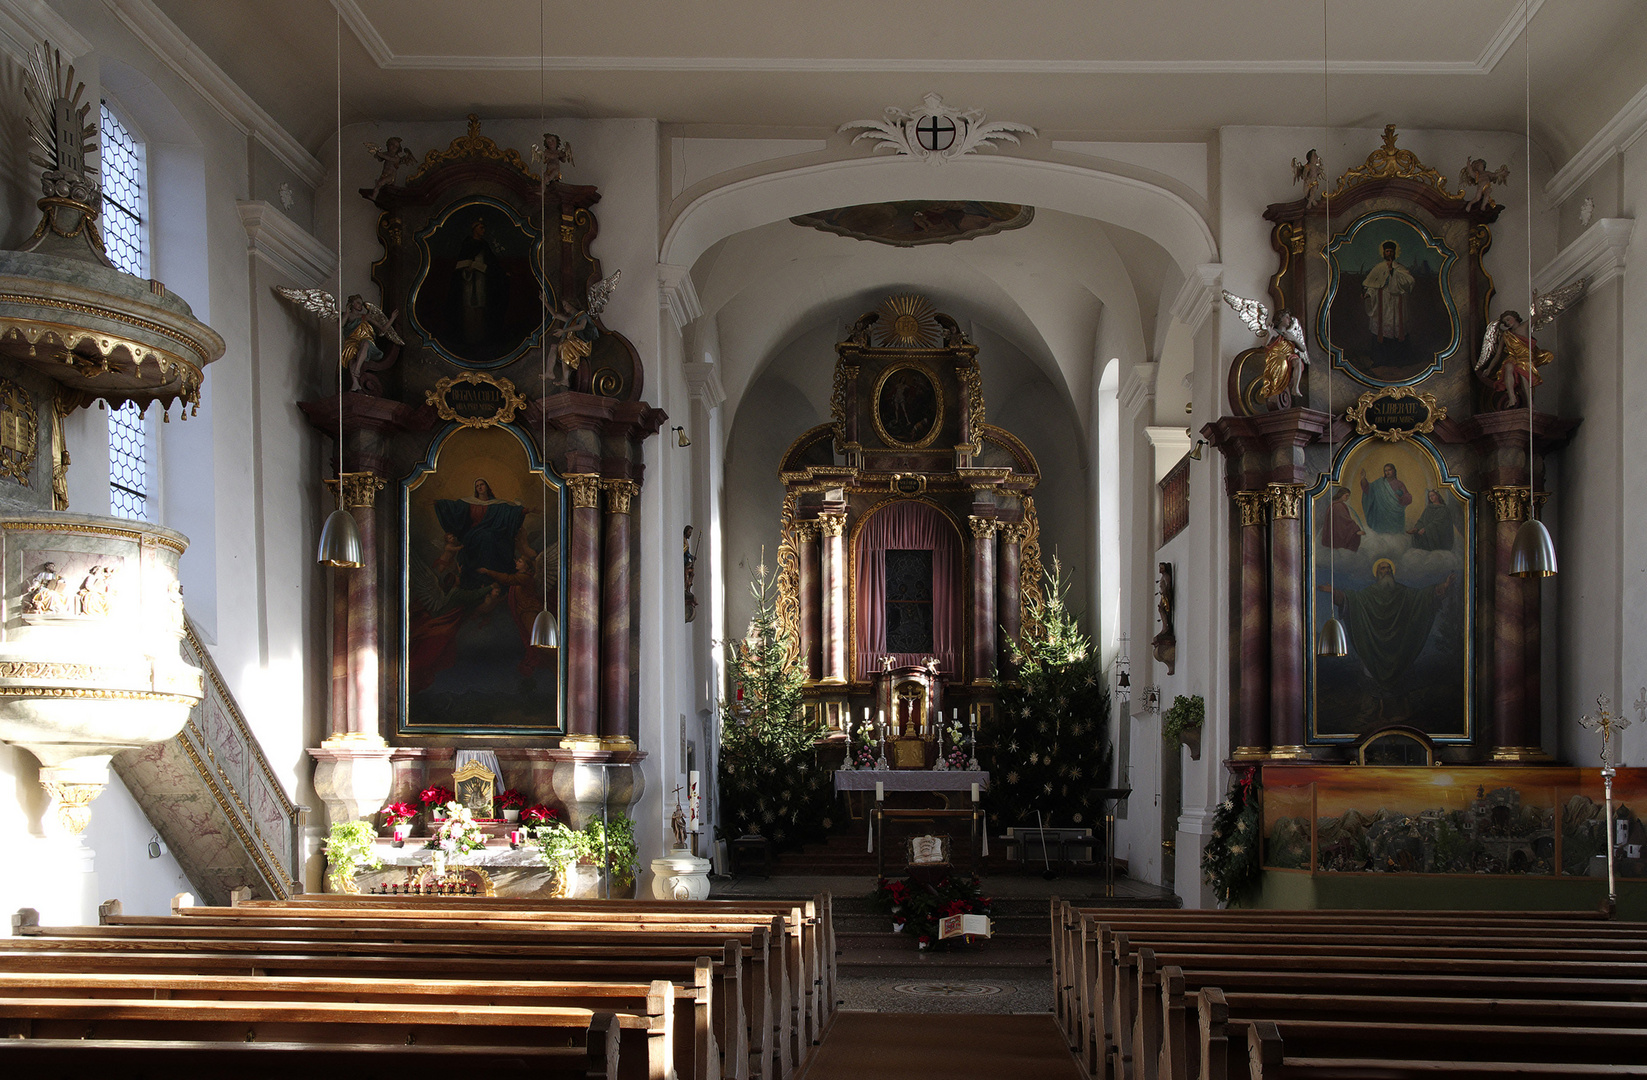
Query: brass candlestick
pixel 1606 722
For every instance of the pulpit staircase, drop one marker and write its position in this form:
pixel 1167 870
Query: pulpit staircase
pixel 212 796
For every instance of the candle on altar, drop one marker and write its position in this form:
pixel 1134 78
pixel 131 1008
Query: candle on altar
pixel 692 802
pixel 880 791
pixel 974 792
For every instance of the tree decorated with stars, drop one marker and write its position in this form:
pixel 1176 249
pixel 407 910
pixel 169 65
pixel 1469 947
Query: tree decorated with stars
pixel 769 778
pixel 1050 733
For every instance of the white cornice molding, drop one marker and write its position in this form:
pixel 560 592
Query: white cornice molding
pixel 1198 296
pixel 385 57
pixel 1170 445
pixel 285 245
pixel 1615 137
pixel 1138 389
pixel 151 26
pixel 1598 253
pixel 26 23
pixel 704 381
pixel 677 295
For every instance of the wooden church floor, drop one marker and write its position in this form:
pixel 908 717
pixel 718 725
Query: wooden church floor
pixel 905 1046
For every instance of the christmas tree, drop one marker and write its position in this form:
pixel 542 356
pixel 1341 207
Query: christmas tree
pixel 770 782
pixel 1050 734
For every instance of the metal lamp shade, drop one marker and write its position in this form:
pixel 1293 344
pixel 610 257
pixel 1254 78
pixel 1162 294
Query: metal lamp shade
pixel 340 541
pixel 1330 639
pixel 1533 554
pixel 545 632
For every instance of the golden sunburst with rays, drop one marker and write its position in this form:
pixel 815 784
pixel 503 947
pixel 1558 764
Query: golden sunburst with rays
pixel 907 322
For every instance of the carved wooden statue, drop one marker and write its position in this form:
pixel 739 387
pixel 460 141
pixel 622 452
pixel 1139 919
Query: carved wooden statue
pixel 1166 642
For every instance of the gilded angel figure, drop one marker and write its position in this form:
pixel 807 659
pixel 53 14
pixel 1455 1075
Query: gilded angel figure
pixel 1510 359
pixel 363 323
pixel 1285 355
pixel 575 331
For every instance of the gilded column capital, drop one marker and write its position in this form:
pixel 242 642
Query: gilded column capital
pixel 585 489
pixel 983 528
pixel 806 531
pixel 354 489
pixel 1254 507
pixel 1510 503
pixel 618 494
pixel 832 523
pixel 1286 500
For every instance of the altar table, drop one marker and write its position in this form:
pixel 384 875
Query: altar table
pixel 911 779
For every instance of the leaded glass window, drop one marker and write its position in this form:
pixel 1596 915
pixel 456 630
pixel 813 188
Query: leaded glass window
pixel 121 158
pixel 908 601
pixel 128 463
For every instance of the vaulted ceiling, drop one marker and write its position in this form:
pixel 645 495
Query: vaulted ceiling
pixel 1071 68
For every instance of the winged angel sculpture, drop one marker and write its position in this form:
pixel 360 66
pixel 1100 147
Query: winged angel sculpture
pixel 1285 356
pixel 363 324
pixel 574 331
pixel 1510 360
pixel 953 131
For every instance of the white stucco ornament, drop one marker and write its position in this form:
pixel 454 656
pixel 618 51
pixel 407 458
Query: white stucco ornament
pixel 935 132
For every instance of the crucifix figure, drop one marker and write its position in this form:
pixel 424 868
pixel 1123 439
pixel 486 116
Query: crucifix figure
pixel 1606 722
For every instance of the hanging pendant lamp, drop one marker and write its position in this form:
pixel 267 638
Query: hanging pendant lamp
pixel 545 629
pixel 340 545
pixel 340 541
pixel 1330 639
pixel 545 632
pixel 1533 554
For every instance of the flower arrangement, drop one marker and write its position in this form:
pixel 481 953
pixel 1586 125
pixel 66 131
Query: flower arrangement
pixel 1230 861
pixel 862 745
pixel 458 833
pixel 538 814
pixel 1184 715
pixel 435 798
pixel 398 813
pixel 591 846
pixel 512 799
pixel 350 849
pixel 916 908
pixel 957 757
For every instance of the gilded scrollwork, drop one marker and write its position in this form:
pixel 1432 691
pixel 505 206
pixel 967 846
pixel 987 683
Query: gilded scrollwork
pixel 1030 573
pixel 1433 411
pixel 791 534
pixel 356 489
pixel 471 146
pixel 844 374
pixel 1390 162
pixel 19 432
pixel 974 383
pixel 509 402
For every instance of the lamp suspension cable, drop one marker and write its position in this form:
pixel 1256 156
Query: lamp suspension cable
pixel 1331 640
pixel 340 544
pixel 1532 555
pixel 545 632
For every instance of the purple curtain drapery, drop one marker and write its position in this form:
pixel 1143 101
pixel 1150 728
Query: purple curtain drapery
pixel 913 526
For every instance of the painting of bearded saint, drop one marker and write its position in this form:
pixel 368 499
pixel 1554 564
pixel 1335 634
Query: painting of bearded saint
pixel 479 545
pixel 1393 320
pixel 1391 559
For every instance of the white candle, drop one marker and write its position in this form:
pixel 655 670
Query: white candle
pixel 880 791
pixel 692 800
pixel 974 792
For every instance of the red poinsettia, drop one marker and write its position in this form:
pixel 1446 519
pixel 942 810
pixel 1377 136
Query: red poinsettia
pixel 538 814
pixel 435 795
pixel 512 799
pixel 956 907
pixel 397 813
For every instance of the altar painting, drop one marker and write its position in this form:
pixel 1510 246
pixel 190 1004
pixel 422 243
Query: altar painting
pixel 1393 320
pixel 476 299
pixel 1391 542
pixel 484 533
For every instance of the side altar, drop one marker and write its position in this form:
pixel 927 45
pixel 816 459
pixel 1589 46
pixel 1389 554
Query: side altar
pixel 487 439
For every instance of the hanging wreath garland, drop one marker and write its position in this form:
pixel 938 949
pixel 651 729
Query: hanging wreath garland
pixel 1231 859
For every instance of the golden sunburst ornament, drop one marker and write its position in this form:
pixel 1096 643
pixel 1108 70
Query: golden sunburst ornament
pixel 907 322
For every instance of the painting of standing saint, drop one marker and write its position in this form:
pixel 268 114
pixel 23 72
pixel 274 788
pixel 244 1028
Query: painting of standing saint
pixel 1393 320
pixel 1391 558
pixel 483 542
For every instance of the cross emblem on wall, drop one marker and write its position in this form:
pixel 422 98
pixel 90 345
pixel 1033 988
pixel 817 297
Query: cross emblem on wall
pixel 935 133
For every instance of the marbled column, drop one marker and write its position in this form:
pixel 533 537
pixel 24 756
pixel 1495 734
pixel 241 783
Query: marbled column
pixel 1011 588
pixel 1252 732
pixel 983 598
pixel 582 640
pixel 616 726
pixel 356 637
pixel 1515 637
pixel 1287 629
pixel 832 524
pixel 811 598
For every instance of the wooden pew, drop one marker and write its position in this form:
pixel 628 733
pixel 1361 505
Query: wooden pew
pixel 740 1036
pixel 664 1039
pixel 596 1058
pixel 810 968
pixel 1326 1050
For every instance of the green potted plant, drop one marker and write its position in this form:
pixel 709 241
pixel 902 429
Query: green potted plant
pixel 350 848
pixel 613 847
pixel 1182 722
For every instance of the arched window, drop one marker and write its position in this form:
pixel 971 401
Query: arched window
pixel 126 238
